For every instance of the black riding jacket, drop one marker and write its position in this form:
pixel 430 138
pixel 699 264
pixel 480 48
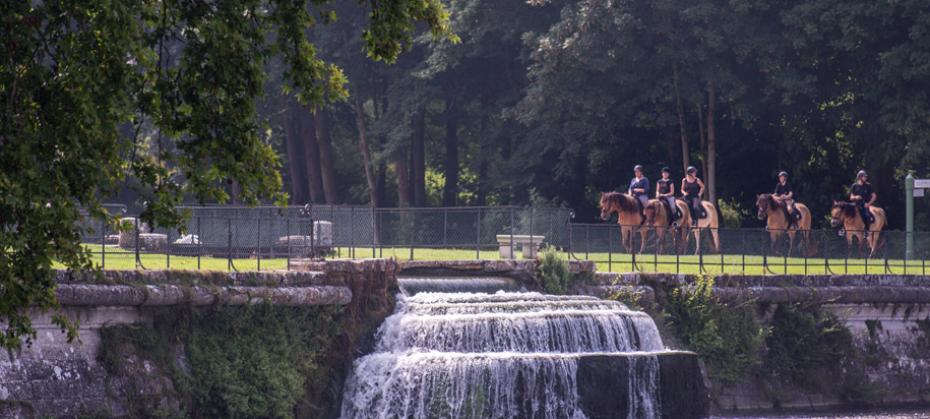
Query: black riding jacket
pixel 863 190
pixel 782 189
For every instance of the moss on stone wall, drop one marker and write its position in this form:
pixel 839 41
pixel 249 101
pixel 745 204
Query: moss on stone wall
pixel 236 362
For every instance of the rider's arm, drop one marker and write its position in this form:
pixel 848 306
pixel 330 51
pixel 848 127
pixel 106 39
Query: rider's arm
pixel 789 195
pixel 671 189
pixel 701 192
pixel 872 199
pixel 683 187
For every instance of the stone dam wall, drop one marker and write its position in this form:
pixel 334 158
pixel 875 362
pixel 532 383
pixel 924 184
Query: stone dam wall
pixel 887 318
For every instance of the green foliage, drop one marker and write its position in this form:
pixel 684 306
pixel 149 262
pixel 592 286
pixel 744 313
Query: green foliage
pixel 552 271
pixel 731 213
pixel 236 362
pixel 161 95
pixel 807 344
pixel 727 337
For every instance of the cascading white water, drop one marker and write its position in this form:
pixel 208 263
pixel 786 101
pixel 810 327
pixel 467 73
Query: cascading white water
pixel 501 355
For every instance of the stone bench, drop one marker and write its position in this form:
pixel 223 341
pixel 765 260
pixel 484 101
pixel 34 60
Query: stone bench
pixel 529 244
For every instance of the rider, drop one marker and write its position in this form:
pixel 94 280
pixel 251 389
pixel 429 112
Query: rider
pixel 693 188
pixel 785 195
pixel 665 189
pixel 639 186
pixel 862 195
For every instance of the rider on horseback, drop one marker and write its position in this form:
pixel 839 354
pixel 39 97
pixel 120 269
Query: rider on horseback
pixel 785 195
pixel 665 192
pixel 639 187
pixel 862 195
pixel 692 188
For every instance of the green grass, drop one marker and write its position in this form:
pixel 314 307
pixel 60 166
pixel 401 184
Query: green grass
pixel 120 259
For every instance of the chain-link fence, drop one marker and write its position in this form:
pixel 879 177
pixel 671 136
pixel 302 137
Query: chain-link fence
pixel 250 238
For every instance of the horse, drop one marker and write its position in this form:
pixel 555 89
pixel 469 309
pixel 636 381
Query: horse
pixel 657 216
pixel 628 217
pixel 711 221
pixel 848 215
pixel 777 223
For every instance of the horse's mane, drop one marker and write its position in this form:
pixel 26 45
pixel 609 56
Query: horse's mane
pixel 770 199
pixel 625 202
pixel 849 209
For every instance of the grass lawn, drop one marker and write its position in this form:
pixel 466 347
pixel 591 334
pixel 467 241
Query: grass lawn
pixel 120 259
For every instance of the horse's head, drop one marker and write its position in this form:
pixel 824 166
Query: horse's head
pixel 651 211
pixel 840 211
pixel 605 206
pixel 763 202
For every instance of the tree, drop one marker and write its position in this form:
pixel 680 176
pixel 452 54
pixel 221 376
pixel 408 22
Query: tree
pixel 72 74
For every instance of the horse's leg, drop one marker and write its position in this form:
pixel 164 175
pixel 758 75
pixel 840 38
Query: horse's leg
pixel 773 241
pixel 715 234
pixel 791 234
pixel 873 242
pixel 660 239
pixel 697 241
pixel 643 236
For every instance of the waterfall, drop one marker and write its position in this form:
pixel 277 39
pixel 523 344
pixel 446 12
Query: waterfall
pixel 500 355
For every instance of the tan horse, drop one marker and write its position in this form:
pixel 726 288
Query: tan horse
pixel 777 223
pixel 628 217
pixel 711 222
pixel 847 215
pixel 657 218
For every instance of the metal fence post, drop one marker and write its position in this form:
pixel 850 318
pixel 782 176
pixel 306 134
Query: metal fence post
pixel 512 227
pixel 610 250
pixel 587 241
pixel 445 226
pixel 199 243
pixel 229 263
pixel 374 233
pixel 352 232
pixel 532 216
pixel 287 235
pixel 168 249
pixel 103 245
pixel 413 230
pixel 136 244
pixel 478 234
pixel 258 244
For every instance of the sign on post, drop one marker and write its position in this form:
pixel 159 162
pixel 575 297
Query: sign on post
pixel 921 183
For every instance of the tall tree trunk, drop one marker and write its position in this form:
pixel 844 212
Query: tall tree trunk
pixel 711 142
pixel 418 159
pixel 685 151
pixel 295 155
pixel 325 142
pixel 311 156
pixel 402 171
pixel 450 191
pixel 381 173
pixel 702 146
pixel 366 153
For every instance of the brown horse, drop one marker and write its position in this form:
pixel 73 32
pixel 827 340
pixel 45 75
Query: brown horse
pixel 657 218
pixel 847 215
pixel 710 222
pixel 628 217
pixel 777 223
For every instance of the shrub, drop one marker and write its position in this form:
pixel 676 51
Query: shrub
pixel 728 337
pixel 552 271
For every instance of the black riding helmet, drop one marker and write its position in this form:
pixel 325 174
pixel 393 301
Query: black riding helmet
pixel 691 169
pixel 861 174
pixel 666 170
pixel 782 173
pixel 638 168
